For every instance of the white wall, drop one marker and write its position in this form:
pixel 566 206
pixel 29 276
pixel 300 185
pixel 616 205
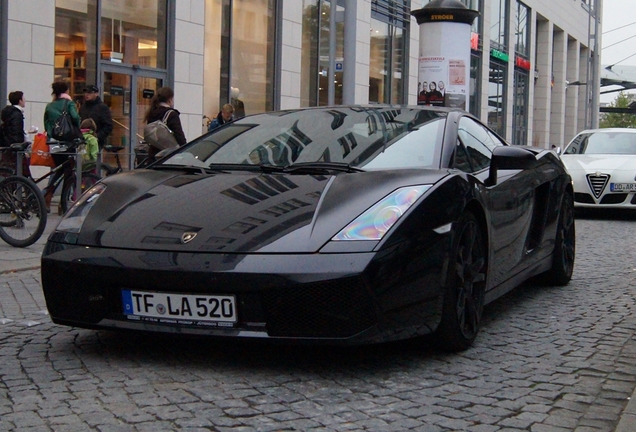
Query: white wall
pixel 30 55
pixel 188 68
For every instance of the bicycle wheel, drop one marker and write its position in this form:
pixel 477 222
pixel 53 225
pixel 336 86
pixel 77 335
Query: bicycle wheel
pixel 6 172
pixel 69 196
pixel 22 211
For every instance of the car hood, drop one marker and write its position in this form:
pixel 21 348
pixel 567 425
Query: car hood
pixel 235 213
pixel 601 163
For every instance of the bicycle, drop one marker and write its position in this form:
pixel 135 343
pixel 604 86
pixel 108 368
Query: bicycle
pixel 23 211
pixel 65 164
pixel 141 159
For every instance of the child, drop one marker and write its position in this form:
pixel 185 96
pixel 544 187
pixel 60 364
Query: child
pixel 89 158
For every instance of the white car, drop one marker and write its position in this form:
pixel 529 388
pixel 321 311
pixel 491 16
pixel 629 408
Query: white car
pixel 602 164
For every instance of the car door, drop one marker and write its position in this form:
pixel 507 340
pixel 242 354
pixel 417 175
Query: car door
pixel 509 202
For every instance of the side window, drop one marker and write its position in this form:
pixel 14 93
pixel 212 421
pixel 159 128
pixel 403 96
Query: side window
pixel 460 158
pixel 477 141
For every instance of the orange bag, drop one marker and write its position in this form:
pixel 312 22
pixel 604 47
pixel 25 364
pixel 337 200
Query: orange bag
pixel 40 154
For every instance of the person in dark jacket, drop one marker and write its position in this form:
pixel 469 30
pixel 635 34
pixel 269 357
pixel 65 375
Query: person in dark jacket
pixel 226 115
pixel 13 119
pixel 161 102
pixel 95 109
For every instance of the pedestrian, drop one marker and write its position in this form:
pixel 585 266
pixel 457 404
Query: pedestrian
pixel 61 101
pixel 224 116
pixel 94 108
pixel 162 102
pixel 91 144
pixel 13 119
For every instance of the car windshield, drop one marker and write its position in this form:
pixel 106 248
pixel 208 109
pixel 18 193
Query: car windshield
pixel 358 138
pixel 619 143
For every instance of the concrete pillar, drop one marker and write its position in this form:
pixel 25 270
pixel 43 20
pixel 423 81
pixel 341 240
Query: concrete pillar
pixel 572 92
pixel 583 90
pixel 543 84
pixel 557 102
pixel 30 55
pixel 292 39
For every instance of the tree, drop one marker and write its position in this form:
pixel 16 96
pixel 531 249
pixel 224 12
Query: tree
pixel 609 120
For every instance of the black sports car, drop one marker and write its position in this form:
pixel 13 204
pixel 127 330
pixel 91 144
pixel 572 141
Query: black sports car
pixel 341 224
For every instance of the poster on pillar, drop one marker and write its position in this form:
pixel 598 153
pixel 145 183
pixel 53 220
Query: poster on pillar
pixel 456 90
pixel 433 76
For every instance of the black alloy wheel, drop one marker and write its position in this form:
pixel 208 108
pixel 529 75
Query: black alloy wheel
pixel 564 246
pixel 465 286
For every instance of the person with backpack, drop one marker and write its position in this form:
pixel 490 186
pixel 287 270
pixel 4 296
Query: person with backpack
pixel 62 102
pixel 161 103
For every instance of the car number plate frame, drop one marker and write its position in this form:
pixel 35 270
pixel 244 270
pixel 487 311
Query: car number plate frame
pixel 622 187
pixel 193 309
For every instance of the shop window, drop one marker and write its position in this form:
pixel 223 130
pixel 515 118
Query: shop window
pixel 75 52
pixel 134 32
pixel 497 96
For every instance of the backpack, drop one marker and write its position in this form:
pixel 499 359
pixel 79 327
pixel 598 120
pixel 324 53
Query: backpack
pixel 159 135
pixel 64 129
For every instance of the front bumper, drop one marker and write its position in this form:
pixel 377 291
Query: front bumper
pixel 352 298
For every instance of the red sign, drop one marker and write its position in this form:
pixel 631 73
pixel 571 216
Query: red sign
pixel 474 41
pixel 522 63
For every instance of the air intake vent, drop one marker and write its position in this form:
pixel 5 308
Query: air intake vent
pixel 597 183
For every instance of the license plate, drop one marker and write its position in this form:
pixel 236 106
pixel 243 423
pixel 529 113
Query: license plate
pixel 180 308
pixel 622 187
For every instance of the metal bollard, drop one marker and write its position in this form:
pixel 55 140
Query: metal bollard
pixel 78 174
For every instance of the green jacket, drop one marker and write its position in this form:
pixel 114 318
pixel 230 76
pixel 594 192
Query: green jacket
pixel 91 148
pixel 54 110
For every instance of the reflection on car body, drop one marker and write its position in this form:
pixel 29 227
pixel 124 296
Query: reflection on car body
pixel 336 225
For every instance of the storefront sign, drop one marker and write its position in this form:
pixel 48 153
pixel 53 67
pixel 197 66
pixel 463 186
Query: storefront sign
pixel 499 55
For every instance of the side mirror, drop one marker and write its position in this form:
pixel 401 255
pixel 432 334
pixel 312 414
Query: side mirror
pixel 509 158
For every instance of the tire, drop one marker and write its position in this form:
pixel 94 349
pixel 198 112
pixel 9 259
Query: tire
pixel 23 211
pixel 68 196
pixel 564 246
pixel 465 286
pixel 6 172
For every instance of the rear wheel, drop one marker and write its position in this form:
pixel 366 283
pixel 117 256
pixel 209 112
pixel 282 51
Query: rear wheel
pixel 22 211
pixel 69 196
pixel 465 286
pixel 564 246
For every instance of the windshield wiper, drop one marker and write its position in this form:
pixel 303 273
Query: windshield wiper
pixel 191 169
pixel 311 167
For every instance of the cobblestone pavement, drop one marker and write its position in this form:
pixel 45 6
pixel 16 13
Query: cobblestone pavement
pixel 548 359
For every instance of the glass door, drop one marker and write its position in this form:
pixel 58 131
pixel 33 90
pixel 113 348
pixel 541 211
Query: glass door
pixel 127 92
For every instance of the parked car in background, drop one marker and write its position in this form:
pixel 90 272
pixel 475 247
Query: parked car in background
pixel 348 224
pixel 602 163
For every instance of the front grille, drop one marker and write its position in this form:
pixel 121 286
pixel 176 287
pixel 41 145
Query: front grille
pixel 339 308
pixel 583 198
pixel 597 183
pixel 616 198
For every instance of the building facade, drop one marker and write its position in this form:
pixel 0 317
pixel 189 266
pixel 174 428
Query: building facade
pixel 532 61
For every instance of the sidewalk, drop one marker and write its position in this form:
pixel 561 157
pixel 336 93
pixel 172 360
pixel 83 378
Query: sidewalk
pixel 14 259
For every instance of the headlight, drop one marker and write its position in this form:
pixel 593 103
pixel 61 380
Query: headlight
pixel 375 222
pixel 74 219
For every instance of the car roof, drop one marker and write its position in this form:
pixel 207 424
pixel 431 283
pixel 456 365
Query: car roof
pixel 608 130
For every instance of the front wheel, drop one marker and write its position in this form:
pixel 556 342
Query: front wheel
pixel 465 286
pixel 564 246
pixel 22 211
pixel 69 196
